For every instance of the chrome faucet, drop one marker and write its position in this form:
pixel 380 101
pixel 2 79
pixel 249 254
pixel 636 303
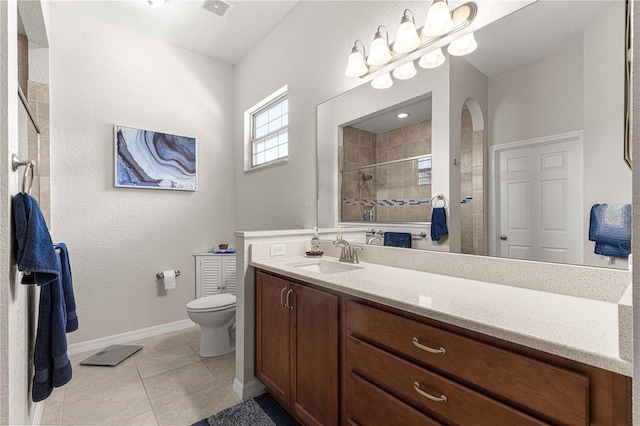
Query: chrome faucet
pixel 348 253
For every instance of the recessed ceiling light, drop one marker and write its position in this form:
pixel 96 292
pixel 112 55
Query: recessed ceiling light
pixel 403 115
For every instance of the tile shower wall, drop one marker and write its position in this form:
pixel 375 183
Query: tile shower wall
pixel 393 193
pixel 39 150
pixel 471 187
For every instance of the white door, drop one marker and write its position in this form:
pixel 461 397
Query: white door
pixel 539 199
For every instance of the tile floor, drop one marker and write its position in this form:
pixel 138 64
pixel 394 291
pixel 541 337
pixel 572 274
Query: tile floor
pixel 165 383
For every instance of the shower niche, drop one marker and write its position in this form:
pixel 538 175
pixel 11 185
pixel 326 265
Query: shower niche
pixel 385 166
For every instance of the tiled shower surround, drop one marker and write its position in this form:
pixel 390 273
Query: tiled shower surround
pixel 393 192
pixel 471 172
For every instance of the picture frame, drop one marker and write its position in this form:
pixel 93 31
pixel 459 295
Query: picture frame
pixel 154 160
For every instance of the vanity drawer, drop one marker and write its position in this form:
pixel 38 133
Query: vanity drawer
pixel 430 391
pixel 557 393
pixel 368 405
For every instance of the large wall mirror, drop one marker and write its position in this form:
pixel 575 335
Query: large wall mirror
pixel 520 137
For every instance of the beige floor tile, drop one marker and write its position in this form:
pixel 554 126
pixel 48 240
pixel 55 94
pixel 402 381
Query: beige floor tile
pixel 98 382
pixel 165 341
pixel 144 419
pixel 173 385
pixel 195 407
pixel 222 367
pixel 158 362
pixel 111 407
pixel 52 414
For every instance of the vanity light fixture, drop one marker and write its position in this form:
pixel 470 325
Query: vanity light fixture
pixel 408 45
pixel 403 115
pixel 407 38
pixel 463 46
pixel 439 20
pixel 384 81
pixel 356 66
pixel 379 53
pixel 432 59
pixel 405 72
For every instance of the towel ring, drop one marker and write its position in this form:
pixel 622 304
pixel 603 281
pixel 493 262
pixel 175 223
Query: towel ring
pixel 30 165
pixel 439 197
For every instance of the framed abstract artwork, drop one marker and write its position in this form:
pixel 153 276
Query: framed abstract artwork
pixel 154 160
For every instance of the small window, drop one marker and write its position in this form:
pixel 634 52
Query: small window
pixel 269 131
pixel 424 171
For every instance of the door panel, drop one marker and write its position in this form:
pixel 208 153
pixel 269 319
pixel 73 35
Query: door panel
pixel 539 201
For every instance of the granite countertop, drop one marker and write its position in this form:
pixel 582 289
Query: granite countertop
pixel 576 328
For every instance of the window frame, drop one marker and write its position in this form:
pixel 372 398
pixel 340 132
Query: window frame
pixel 250 117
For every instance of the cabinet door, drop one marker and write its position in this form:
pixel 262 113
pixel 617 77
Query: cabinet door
pixel 314 356
pixel 272 335
pixel 229 274
pixel 209 268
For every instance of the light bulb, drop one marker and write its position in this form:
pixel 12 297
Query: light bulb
pixel 356 67
pixel 432 59
pixel 379 53
pixel 407 36
pixel 382 82
pixel 438 20
pixel 405 72
pixel 462 46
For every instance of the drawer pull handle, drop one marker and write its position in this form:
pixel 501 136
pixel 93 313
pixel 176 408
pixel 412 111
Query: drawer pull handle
pixel 416 387
pixel 282 297
pixel 440 351
pixel 289 295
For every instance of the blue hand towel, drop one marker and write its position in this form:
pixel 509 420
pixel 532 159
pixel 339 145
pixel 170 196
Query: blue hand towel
pixel 67 288
pixel 397 239
pixel 33 248
pixel 52 366
pixel 610 229
pixel 438 223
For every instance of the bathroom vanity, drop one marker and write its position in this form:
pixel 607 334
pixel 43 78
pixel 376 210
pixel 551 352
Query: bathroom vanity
pixel 363 344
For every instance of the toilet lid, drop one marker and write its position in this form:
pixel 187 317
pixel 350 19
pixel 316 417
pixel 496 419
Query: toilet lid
pixel 215 302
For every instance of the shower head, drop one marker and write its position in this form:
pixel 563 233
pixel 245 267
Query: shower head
pixel 366 178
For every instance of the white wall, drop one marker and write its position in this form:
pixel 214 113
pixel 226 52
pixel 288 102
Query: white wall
pixel 607 177
pixel 307 50
pixel 542 98
pixel 119 238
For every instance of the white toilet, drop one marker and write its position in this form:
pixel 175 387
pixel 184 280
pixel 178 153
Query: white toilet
pixel 216 316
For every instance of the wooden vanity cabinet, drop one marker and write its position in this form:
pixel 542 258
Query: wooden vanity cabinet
pixel 484 380
pixel 297 344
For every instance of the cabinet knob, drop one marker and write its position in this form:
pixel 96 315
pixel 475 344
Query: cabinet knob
pixel 417 344
pixel 441 398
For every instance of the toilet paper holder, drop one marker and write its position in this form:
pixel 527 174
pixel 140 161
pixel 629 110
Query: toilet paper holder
pixel 160 275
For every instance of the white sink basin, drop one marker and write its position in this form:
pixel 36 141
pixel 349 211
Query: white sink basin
pixel 325 267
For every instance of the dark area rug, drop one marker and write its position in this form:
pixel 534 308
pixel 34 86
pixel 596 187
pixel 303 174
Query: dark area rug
pixel 262 410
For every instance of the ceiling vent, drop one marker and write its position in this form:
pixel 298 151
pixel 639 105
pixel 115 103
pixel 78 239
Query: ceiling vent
pixel 216 6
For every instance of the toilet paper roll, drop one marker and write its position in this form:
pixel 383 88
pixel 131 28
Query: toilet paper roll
pixel 169 279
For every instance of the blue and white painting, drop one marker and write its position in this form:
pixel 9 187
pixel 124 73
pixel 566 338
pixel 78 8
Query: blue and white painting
pixel 148 159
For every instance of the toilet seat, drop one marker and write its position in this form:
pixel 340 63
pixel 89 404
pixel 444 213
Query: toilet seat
pixel 216 302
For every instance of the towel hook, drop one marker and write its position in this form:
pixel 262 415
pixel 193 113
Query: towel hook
pixel 29 166
pixel 439 197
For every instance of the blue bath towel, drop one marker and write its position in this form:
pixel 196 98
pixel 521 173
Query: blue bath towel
pixel 67 288
pixel 438 223
pixel 610 229
pixel 397 239
pixel 52 366
pixel 33 248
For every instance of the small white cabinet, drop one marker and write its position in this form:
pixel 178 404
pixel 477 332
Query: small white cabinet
pixel 215 273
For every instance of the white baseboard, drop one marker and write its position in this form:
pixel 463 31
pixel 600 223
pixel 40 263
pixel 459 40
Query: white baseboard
pixel 251 389
pixel 129 336
pixel 38 413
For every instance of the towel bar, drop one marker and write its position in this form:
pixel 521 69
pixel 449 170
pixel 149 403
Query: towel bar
pixel 160 275
pixel 381 232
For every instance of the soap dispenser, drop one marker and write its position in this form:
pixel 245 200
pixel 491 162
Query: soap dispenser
pixel 315 241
